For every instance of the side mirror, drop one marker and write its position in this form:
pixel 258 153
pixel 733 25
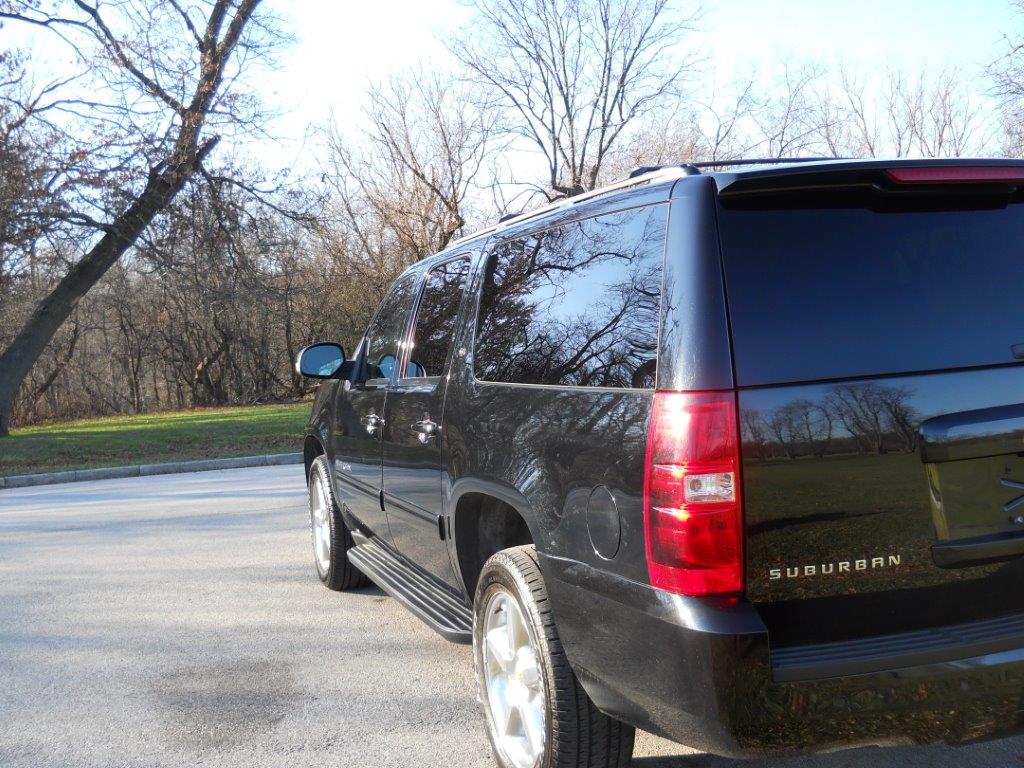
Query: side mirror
pixel 386 367
pixel 320 361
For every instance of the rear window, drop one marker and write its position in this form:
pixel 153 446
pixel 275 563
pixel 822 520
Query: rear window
pixel 575 305
pixel 837 292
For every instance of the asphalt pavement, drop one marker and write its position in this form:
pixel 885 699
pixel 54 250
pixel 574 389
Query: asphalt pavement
pixel 175 620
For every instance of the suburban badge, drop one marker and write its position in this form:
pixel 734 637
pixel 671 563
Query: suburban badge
pixel 830 569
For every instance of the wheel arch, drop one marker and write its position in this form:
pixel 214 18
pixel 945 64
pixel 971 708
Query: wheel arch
pixel 487 517
pixel 311 448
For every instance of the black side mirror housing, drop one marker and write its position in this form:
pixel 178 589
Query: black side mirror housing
pixel 323 360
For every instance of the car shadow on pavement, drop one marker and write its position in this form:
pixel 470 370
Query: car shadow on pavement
pixel 369 591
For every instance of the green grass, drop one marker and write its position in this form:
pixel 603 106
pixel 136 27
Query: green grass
pixel 154 437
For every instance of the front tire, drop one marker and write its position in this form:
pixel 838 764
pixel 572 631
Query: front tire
pixel 538 715
pixel 331 537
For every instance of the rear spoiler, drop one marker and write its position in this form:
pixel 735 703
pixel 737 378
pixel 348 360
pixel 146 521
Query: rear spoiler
pixel 889 177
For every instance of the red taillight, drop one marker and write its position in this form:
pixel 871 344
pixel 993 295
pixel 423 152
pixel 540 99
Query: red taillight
pixel 956 174
pixel 692 508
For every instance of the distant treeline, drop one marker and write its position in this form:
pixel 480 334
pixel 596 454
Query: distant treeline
pixel 851 418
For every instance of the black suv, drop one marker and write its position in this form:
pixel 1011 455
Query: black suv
pixel 732 455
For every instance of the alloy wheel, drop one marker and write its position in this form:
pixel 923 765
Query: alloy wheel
pixel 320 519
pixel 514 681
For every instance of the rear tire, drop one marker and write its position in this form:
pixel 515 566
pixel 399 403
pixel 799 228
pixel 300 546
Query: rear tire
pixel 513 680
pixel 331 537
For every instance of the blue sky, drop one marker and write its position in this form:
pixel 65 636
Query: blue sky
pixel 340 46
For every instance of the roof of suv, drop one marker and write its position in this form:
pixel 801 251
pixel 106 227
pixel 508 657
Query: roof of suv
pixel 745 176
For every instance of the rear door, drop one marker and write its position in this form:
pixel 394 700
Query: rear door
pixel 877 348
pixel 412 435
pixel 360 420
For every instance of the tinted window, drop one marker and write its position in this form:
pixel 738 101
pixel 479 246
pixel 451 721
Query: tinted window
pixel 575 305
pixel 848 291
pixel 435 318
pixel 387 332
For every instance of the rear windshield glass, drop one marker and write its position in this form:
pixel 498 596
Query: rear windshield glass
pixel 837 292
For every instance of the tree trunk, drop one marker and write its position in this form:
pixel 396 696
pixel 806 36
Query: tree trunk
pixel 18 359
pixel 58 367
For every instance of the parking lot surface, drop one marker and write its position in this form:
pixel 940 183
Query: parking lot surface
pixel 176 621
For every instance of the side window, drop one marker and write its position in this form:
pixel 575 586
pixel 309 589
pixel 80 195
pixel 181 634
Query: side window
pixel 575 305
pixel 435 318
pixel 387 331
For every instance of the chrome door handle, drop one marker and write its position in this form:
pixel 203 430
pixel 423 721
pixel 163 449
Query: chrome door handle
pixel 425 430
pixel 372 422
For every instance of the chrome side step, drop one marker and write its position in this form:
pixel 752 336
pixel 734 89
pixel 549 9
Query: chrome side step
pixel 440 610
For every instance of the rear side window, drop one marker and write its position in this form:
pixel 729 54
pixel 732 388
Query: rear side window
pixel 575 305
pixel 435 318
pixel 837 292
pixel 387 331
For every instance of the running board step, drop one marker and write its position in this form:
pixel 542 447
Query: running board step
pixel 435 606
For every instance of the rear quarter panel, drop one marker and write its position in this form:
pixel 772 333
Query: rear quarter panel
pixel 552 447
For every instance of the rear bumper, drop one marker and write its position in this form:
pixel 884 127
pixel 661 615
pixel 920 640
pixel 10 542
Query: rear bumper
pixel 699 671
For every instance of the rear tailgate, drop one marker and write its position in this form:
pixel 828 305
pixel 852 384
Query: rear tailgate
pixel 877 348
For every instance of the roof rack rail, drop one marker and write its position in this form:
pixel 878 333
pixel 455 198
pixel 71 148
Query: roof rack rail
pixel 695 167
pixel 643 170
pixel 762 161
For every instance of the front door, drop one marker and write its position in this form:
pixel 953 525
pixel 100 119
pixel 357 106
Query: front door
pixel 413 437
pixel 360 409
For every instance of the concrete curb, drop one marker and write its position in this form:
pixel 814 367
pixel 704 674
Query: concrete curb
pixel 143 470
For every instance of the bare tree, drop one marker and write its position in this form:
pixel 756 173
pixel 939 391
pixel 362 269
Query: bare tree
pixel 943 119
pixel 724 138
pixel 810 424
pixel 807 110
pixel 860 409
pixel 755 434
pixel 902 419
pixel 696 130
pixel 786 121
pixel 780 426
pixel 574 74
pixel 1007 73
pixel 399 191
pixel 671 139
pixel 22 175
pixel 416 164
pixel 160 72
pixel 927 115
